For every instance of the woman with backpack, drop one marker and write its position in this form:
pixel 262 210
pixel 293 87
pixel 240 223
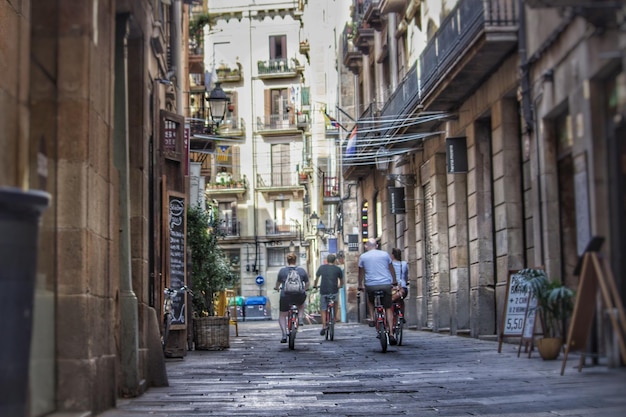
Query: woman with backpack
pixel 293 282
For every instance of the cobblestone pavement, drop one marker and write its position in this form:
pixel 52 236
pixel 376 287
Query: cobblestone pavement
pixel 429 375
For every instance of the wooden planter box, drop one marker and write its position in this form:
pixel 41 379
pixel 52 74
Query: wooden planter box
pixel 211 333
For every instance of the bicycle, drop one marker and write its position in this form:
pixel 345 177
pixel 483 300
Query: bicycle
pixel 398 321
pixel 292 325
pixel 170 294
pixel 330 317
pixel 382 329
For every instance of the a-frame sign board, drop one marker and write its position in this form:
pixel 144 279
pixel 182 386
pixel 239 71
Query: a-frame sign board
pixel 595 272
pixel 516 320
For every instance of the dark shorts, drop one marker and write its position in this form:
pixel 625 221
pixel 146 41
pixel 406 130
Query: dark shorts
pixel 386 300
pixel 287 300
pixel 324 301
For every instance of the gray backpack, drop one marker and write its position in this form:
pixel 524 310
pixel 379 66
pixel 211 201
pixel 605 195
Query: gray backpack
pixel 293 284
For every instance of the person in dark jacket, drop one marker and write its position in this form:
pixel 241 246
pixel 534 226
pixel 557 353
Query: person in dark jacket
pixel 331 280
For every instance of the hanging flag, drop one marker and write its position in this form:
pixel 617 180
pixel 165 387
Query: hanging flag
pixel 223 153
pixel 331 122
pixel 351 146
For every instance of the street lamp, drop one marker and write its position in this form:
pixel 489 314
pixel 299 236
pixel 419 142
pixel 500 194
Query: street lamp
pixel 382 159
pixel 314 221
pixel 218 101
pixel 321 229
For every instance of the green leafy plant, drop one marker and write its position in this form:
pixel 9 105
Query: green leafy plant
pixel 555 301
pixel 210 268
pixel 196 28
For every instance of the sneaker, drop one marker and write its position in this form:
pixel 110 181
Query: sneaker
pixel 284 339
pixel 322 332
pixel 392 341
pixel 371 323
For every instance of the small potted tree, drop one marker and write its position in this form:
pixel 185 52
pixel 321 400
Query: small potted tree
pixel 210 274
pixel 555 304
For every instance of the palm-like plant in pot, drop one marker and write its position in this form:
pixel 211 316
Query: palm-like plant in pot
pixel 555 304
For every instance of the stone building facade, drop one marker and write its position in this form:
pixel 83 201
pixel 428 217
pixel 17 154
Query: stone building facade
pixel 87 92
pixel 527 94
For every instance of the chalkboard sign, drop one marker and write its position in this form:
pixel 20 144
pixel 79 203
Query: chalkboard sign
pixel 515 308
pixel 176 254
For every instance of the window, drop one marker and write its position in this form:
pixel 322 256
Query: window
pixel 278 47
pixel 227 212
pixel 280 216
pixel 281 166
pixel 279 107
pixel 278 256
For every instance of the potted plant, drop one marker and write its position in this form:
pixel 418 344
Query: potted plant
pixel 210 274
pixel 196 30
pixel 555 304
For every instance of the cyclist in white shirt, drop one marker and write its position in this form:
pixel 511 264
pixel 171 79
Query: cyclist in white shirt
pixel 377 273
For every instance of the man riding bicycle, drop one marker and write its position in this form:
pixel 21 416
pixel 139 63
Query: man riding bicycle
pixel 376 271
pixel 332 280
pixel 289 299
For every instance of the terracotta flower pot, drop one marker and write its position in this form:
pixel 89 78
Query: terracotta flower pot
pixel 549 347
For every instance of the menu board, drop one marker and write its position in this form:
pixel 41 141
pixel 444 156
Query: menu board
pixel 515 321
pixel 176 254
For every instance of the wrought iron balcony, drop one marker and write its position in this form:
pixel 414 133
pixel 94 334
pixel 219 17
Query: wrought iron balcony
pixel 229 74
pixel 279 68
pixel 352 57
pixel 233 187
pixel 230 230
pixel 371 13
pixel 282 228
pixel 277 124
pixel 471 42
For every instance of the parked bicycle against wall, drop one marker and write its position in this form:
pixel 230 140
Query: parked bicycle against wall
pixel 170 294
pixel 330 317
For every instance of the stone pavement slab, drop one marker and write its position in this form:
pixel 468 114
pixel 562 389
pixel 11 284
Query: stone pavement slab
pixel 429 375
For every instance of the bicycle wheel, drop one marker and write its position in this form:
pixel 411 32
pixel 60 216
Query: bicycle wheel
pixel 383 335
pixel 167 321
pixel 330 332
pixel 399 326
pixel 292 332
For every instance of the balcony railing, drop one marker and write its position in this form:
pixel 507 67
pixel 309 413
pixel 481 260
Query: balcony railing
pixel 279 67
pixel 278 180
pixel 352 57
pixel 460 30
pixel 284 121
pixel 276 227
pixel 404 96
pixel 232 229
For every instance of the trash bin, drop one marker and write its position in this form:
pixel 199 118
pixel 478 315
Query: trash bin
pixel 20 212
pixel 256 308
pixel 236 307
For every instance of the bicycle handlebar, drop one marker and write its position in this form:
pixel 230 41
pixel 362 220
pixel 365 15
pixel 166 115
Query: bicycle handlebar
pixel 171 292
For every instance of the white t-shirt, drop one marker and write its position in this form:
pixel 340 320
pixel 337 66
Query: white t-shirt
pixel 376 264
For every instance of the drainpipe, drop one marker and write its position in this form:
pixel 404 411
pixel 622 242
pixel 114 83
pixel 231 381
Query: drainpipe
pixel 129 322
pixel 527 112
pixel 175 45
pixel 392 43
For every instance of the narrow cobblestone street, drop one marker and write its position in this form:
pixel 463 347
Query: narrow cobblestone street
pixel 429 375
